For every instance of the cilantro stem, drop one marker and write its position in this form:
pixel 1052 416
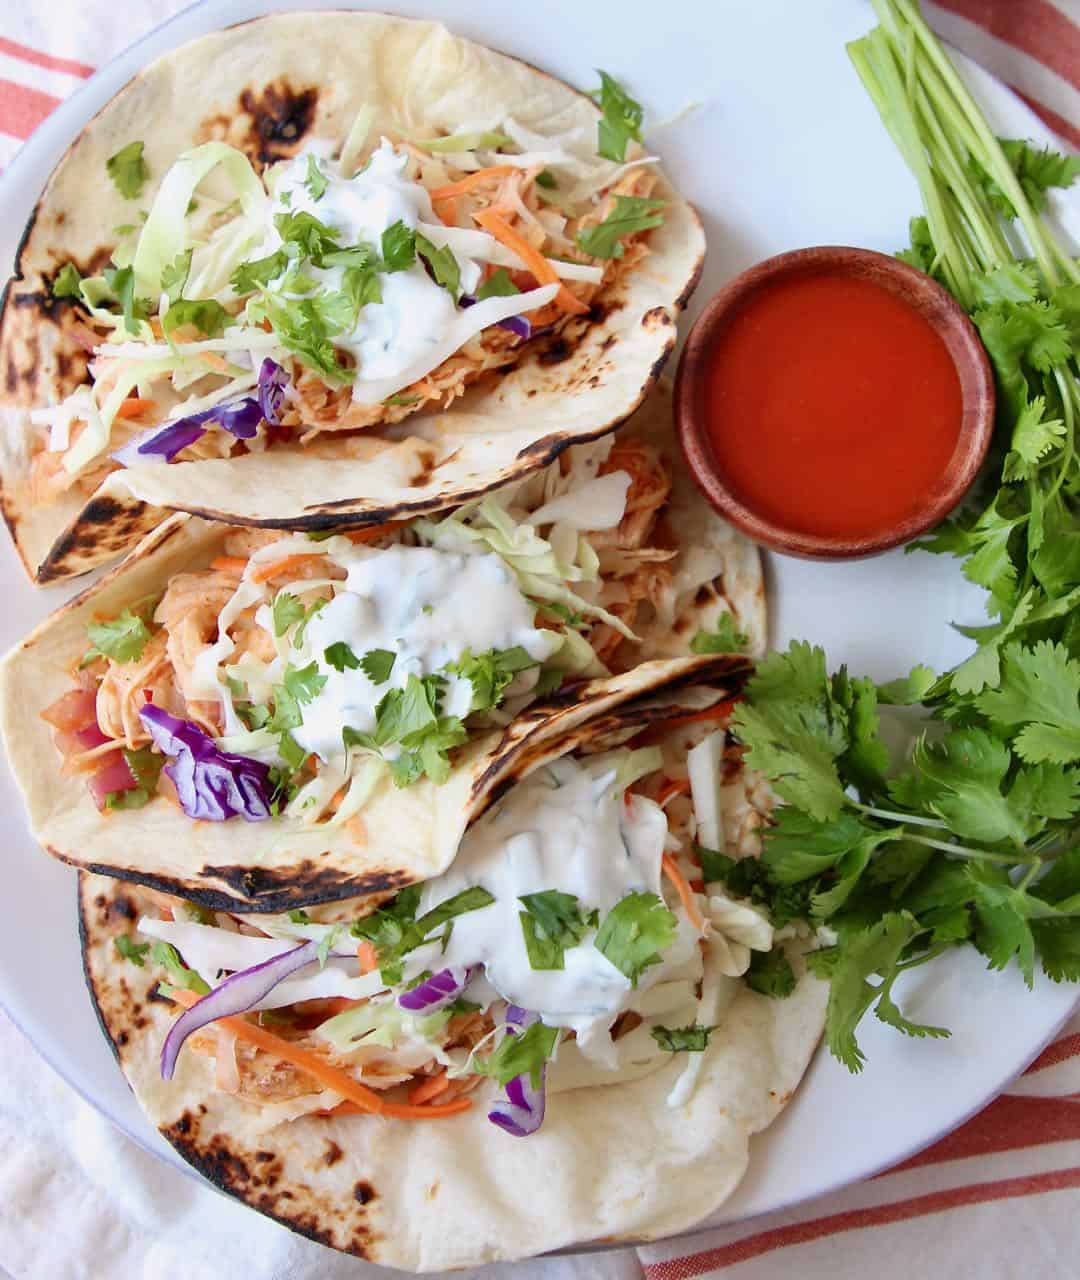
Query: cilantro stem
pixel 966 851
pixel 1029 874
pixel 889 816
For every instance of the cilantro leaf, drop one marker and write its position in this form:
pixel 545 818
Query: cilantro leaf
pixel 122 638
pixel 398 247
pixel 1034 438
pixel 442 264
pixel 552 922
pixel 304 683
pixel 257 272
pixel 305 329
pixel 299 916
pixel 1040 691
pixel 909 690
pixel 339 656
pixel 770 974
pixel 311 237
pixel 66 282
pixel 288 609
pixel 489 673
pixel 128 170
pixel 316 181
pixel 520 1054
pixel 497 285
pixel 204 314
pixel 145 765
pixel 849 966
pixel 629 215
pixel 727 638
pixel 692 1039
pixel 634 932
pixel 620 120
pixel 175 274
pixel 129 949
pixel 377 664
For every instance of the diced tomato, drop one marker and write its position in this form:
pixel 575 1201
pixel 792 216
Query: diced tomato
pixel 114 775
pixel 73 710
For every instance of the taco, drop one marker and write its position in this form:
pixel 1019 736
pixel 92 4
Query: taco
pixel 568 1035
pixel 286 303
pixel 262 720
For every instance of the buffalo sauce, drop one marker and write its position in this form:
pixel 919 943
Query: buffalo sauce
pixel 833 407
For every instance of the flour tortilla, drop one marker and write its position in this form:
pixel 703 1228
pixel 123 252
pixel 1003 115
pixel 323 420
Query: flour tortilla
pixel 269 87
pixel 411 833
pixel 612 1163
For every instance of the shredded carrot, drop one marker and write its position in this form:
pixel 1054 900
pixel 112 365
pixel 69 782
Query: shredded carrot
pixel 330 1077
pixel 447 210
pixel 330 1006
pixel 684 891
pixel 264 572
pixel 541 269
pixel 471 182
pixel 373 531
pixel 215 361
pixel 429 1088
pixel 133 406
pixel 366 954
pixel 672 788
pixel 229 564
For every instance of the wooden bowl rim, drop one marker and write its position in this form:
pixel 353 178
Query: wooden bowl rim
pixel 919 291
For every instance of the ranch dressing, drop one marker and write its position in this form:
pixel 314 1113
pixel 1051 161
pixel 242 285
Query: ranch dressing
pixel 568 828
pixel 415 312
pixel 427 607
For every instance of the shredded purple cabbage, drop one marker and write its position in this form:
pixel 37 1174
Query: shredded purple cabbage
pixel 239 993
pixel 437 991
pixel 521 1113
pixel 520 325
pixel 240 418
pixel 211 784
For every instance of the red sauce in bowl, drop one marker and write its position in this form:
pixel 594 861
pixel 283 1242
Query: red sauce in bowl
pixel 831 406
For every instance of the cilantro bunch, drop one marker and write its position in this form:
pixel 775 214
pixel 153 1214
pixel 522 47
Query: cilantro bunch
pixel 972 843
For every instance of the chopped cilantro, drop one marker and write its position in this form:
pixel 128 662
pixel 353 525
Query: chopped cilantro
pixel 122 638
pixel 204 314
pixel 288 610
pixel 489 673
pixel 520 1054
pixel 339 656
pixel 299 916
pixel 145 765
pixel 727 638
pixel 66 282
pixel 634 932
pixel 401 400
pixel 442 264
pixel 378 664
pixel 131 950
pixel 620 120
pixel 175 274
pixel 771 974
pixel 551 923
pixel 128 170
pixel 692 1039
pixel 630 215
pixel 251 275
pixel 398 247
pixel 304 683
pixel 316 181
pixel 545 178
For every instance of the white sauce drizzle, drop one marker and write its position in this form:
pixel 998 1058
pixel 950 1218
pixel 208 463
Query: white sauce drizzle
pixel 580 838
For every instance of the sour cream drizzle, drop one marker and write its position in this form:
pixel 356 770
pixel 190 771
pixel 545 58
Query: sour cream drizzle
pixel 427 607
pixel 566 828
pixel 405 335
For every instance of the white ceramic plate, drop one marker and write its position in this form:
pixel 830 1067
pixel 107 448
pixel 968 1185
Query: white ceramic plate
pixel 782 150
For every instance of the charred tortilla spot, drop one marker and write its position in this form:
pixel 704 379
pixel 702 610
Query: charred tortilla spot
pixel 556 352
pixel 656 318
pixel 278 117
pixel 264 1156
pixel 104 528
pixel 302 885
pixel 332 1154
pixel 363 1192
pixel 121 908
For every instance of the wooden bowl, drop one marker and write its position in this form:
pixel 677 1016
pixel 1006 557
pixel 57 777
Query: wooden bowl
pixel 919 292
